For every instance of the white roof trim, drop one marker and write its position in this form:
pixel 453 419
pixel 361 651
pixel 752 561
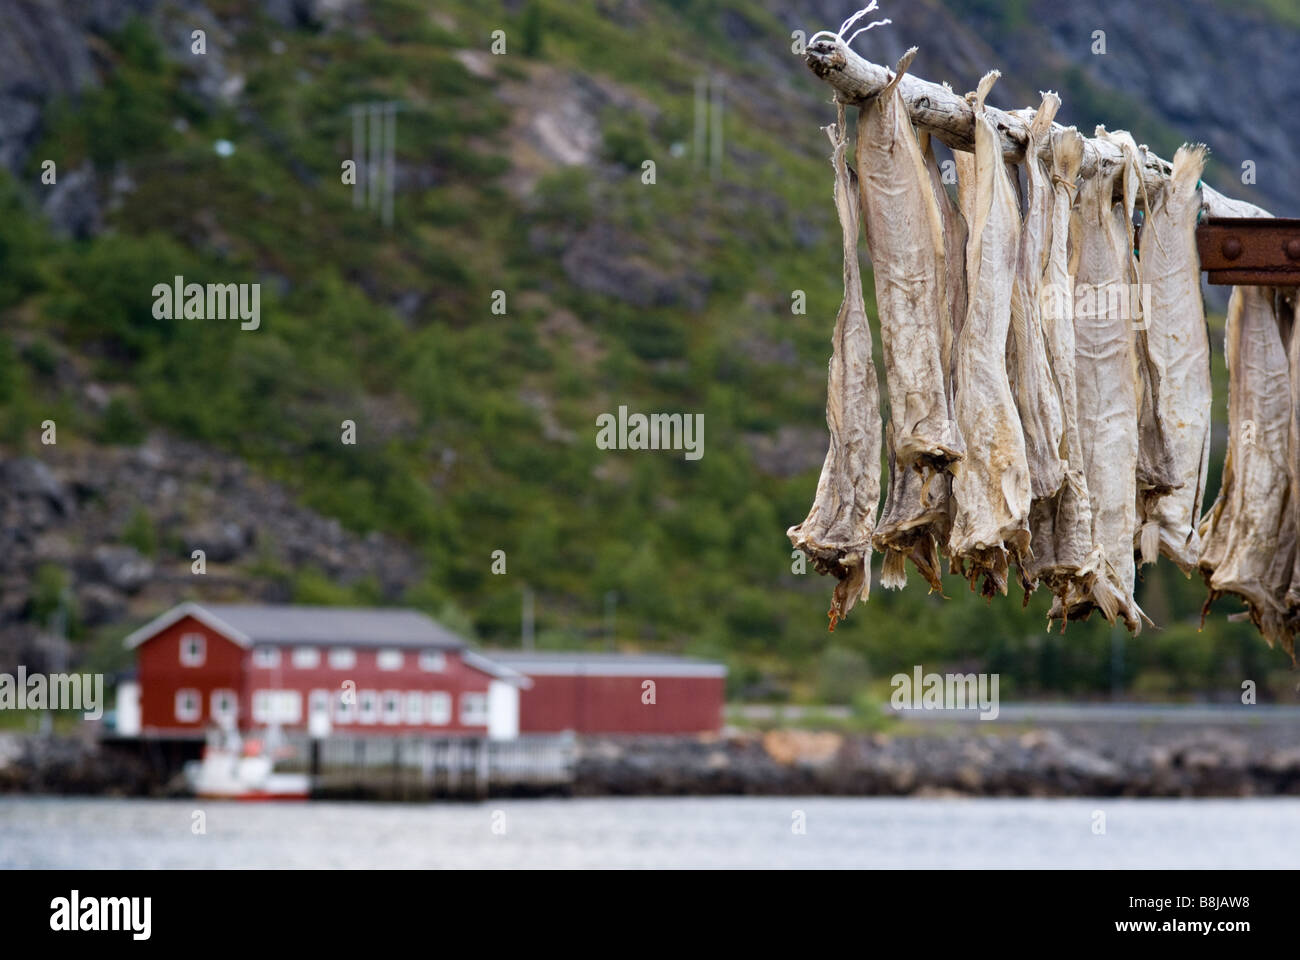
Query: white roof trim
pixel 483 664
pixel 178 613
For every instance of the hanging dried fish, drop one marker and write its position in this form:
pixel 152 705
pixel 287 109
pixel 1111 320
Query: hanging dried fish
pixel 1065 557
pixel 991 487
pixel 836 534
pixel 1030 374
pixel 1178 348
pixel 912 526
pixel 905 239
pixel 1107 383
pixel 1293 357
pixel 1244 534
pixel 1157 472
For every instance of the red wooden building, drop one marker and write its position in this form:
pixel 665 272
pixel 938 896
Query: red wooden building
pixel 617 693
pixel 386 671
pixel 323 669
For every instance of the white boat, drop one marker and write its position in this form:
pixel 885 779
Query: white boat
pixel 235 769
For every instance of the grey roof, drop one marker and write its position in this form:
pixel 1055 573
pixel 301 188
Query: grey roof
pixel 348 626
pixel 581 663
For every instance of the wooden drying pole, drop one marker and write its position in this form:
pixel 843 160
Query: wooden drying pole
pixel 945 114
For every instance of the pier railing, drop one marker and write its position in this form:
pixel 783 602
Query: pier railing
pixel 415 767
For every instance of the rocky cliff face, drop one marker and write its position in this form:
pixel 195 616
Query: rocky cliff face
pixel 1172 71
pixel 124 524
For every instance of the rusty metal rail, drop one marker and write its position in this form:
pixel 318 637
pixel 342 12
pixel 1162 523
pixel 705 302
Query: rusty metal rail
pixel 1250 250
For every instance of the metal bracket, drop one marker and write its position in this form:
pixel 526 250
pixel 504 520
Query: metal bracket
pixel 1258 251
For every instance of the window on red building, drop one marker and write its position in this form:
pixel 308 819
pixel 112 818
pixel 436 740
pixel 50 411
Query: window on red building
pixel 306 658
pixel 268 657
pixel 473 709
pixel 392 707
pixel 414 707
pixel 369 703
pixel 224 706
pixel 438 706
pixel 193 650
pixel 187 706
pixel 345 707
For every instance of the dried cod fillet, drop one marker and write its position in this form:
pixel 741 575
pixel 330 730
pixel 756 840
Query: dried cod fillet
pixel 1293 354
pixel 905 239
pixel 964 164
pixel 913 523
pixel 1243 533
pixel 836 534
pixel 1107 387
pixel 1178 347
pixel 954 238
pixel 1065 558
pixel 1157 464
pixel 911 526
pixel 990 488
pixel 1031 376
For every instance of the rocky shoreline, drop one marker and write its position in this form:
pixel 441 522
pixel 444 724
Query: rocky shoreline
pixel 1109 760
pixel 1138 760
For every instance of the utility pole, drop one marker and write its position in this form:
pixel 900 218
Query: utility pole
pixel 708 123
pixel 358 135
pixel 390 144
pixel 374 146
pixel 715 148
pixel 528 618
pixel 701 120
pixel 611 605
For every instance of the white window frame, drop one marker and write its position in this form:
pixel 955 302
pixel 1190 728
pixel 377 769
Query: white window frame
pixel 433 661
pixel 305 658
pixel 266 658
pixel 391 698
pixel 437 707
pixel 368 707
pixel 342 658
pixel 277 706
pixel 390 658
pixel 345 711
pixel 217 697
pixel 184 715
pixel 467 718
pixel 282 700
pixel 197 658
pixel 413 708
pixel 318 703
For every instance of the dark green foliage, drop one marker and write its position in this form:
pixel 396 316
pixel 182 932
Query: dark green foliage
pixel 532 29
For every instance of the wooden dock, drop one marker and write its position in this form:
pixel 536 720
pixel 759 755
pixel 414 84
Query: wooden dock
pixel 421 768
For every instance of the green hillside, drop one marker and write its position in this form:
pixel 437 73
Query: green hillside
pixel 476 430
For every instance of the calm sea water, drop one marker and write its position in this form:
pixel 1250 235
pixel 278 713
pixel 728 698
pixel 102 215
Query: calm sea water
pixel 675 832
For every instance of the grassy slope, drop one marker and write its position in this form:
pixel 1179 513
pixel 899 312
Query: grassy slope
pixel 695 551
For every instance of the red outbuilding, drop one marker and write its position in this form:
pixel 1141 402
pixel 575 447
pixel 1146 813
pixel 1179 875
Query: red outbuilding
pixel 617 693
pixel 320 669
